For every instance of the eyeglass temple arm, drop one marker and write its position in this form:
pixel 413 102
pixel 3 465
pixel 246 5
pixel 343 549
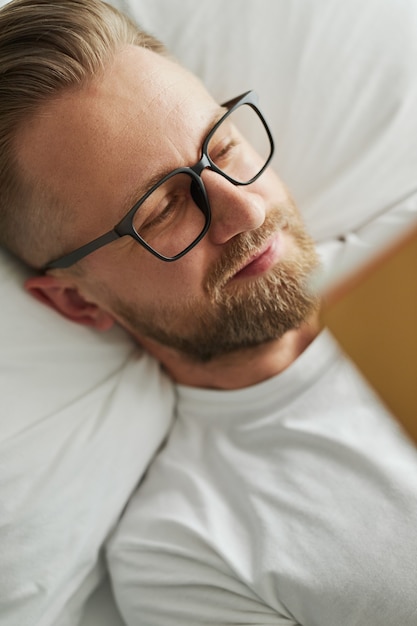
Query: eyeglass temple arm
pixel 77 255
pixel 230 103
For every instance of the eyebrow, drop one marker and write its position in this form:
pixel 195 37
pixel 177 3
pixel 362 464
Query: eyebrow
pixel 132 198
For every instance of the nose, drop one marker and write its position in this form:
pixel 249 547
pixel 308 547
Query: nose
pixel 234 208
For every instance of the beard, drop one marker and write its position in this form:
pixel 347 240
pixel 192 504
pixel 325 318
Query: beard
pixel 239 314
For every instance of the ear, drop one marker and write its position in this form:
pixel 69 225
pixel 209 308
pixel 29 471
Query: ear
pixel 68 301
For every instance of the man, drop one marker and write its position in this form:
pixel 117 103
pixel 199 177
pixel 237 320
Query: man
pixel 285 494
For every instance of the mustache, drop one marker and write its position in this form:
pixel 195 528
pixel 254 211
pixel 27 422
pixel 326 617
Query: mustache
pixel 241 249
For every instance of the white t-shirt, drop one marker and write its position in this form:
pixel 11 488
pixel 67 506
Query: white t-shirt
pixel 290 502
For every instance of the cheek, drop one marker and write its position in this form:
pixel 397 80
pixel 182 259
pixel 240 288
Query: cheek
pixel 180 280
pixel 134 275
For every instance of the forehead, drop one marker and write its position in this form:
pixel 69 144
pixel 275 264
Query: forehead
pixel 89 146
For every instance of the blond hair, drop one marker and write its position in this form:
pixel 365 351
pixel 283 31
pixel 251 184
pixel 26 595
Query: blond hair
pixel 47 46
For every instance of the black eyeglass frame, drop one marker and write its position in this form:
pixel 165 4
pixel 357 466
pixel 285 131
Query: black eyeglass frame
pixel 125 226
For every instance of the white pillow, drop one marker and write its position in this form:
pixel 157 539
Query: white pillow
pixel 81 416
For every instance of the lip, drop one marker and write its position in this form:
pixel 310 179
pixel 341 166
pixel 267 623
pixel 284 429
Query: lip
pixel 263 260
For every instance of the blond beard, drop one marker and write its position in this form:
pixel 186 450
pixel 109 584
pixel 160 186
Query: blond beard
pixel 241 314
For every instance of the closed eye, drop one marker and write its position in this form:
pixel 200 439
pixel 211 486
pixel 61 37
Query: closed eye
pixel 167 211
pixel 224 152
pixel 224 146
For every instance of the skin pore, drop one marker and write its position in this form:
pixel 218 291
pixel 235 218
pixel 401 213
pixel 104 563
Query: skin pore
pixel 241 297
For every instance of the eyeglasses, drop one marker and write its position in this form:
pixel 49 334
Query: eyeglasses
pixel 174 215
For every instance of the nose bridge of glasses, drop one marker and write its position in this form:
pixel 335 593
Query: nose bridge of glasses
pixel 201 165
pixel 198 168
pixel 198 191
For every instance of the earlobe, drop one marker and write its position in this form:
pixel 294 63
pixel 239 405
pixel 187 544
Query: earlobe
pixel 68 301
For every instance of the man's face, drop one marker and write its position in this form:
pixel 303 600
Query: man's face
pixel 98 149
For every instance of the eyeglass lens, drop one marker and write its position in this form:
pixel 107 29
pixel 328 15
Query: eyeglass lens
pixel 169 220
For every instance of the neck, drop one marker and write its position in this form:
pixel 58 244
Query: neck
pixel 238 369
